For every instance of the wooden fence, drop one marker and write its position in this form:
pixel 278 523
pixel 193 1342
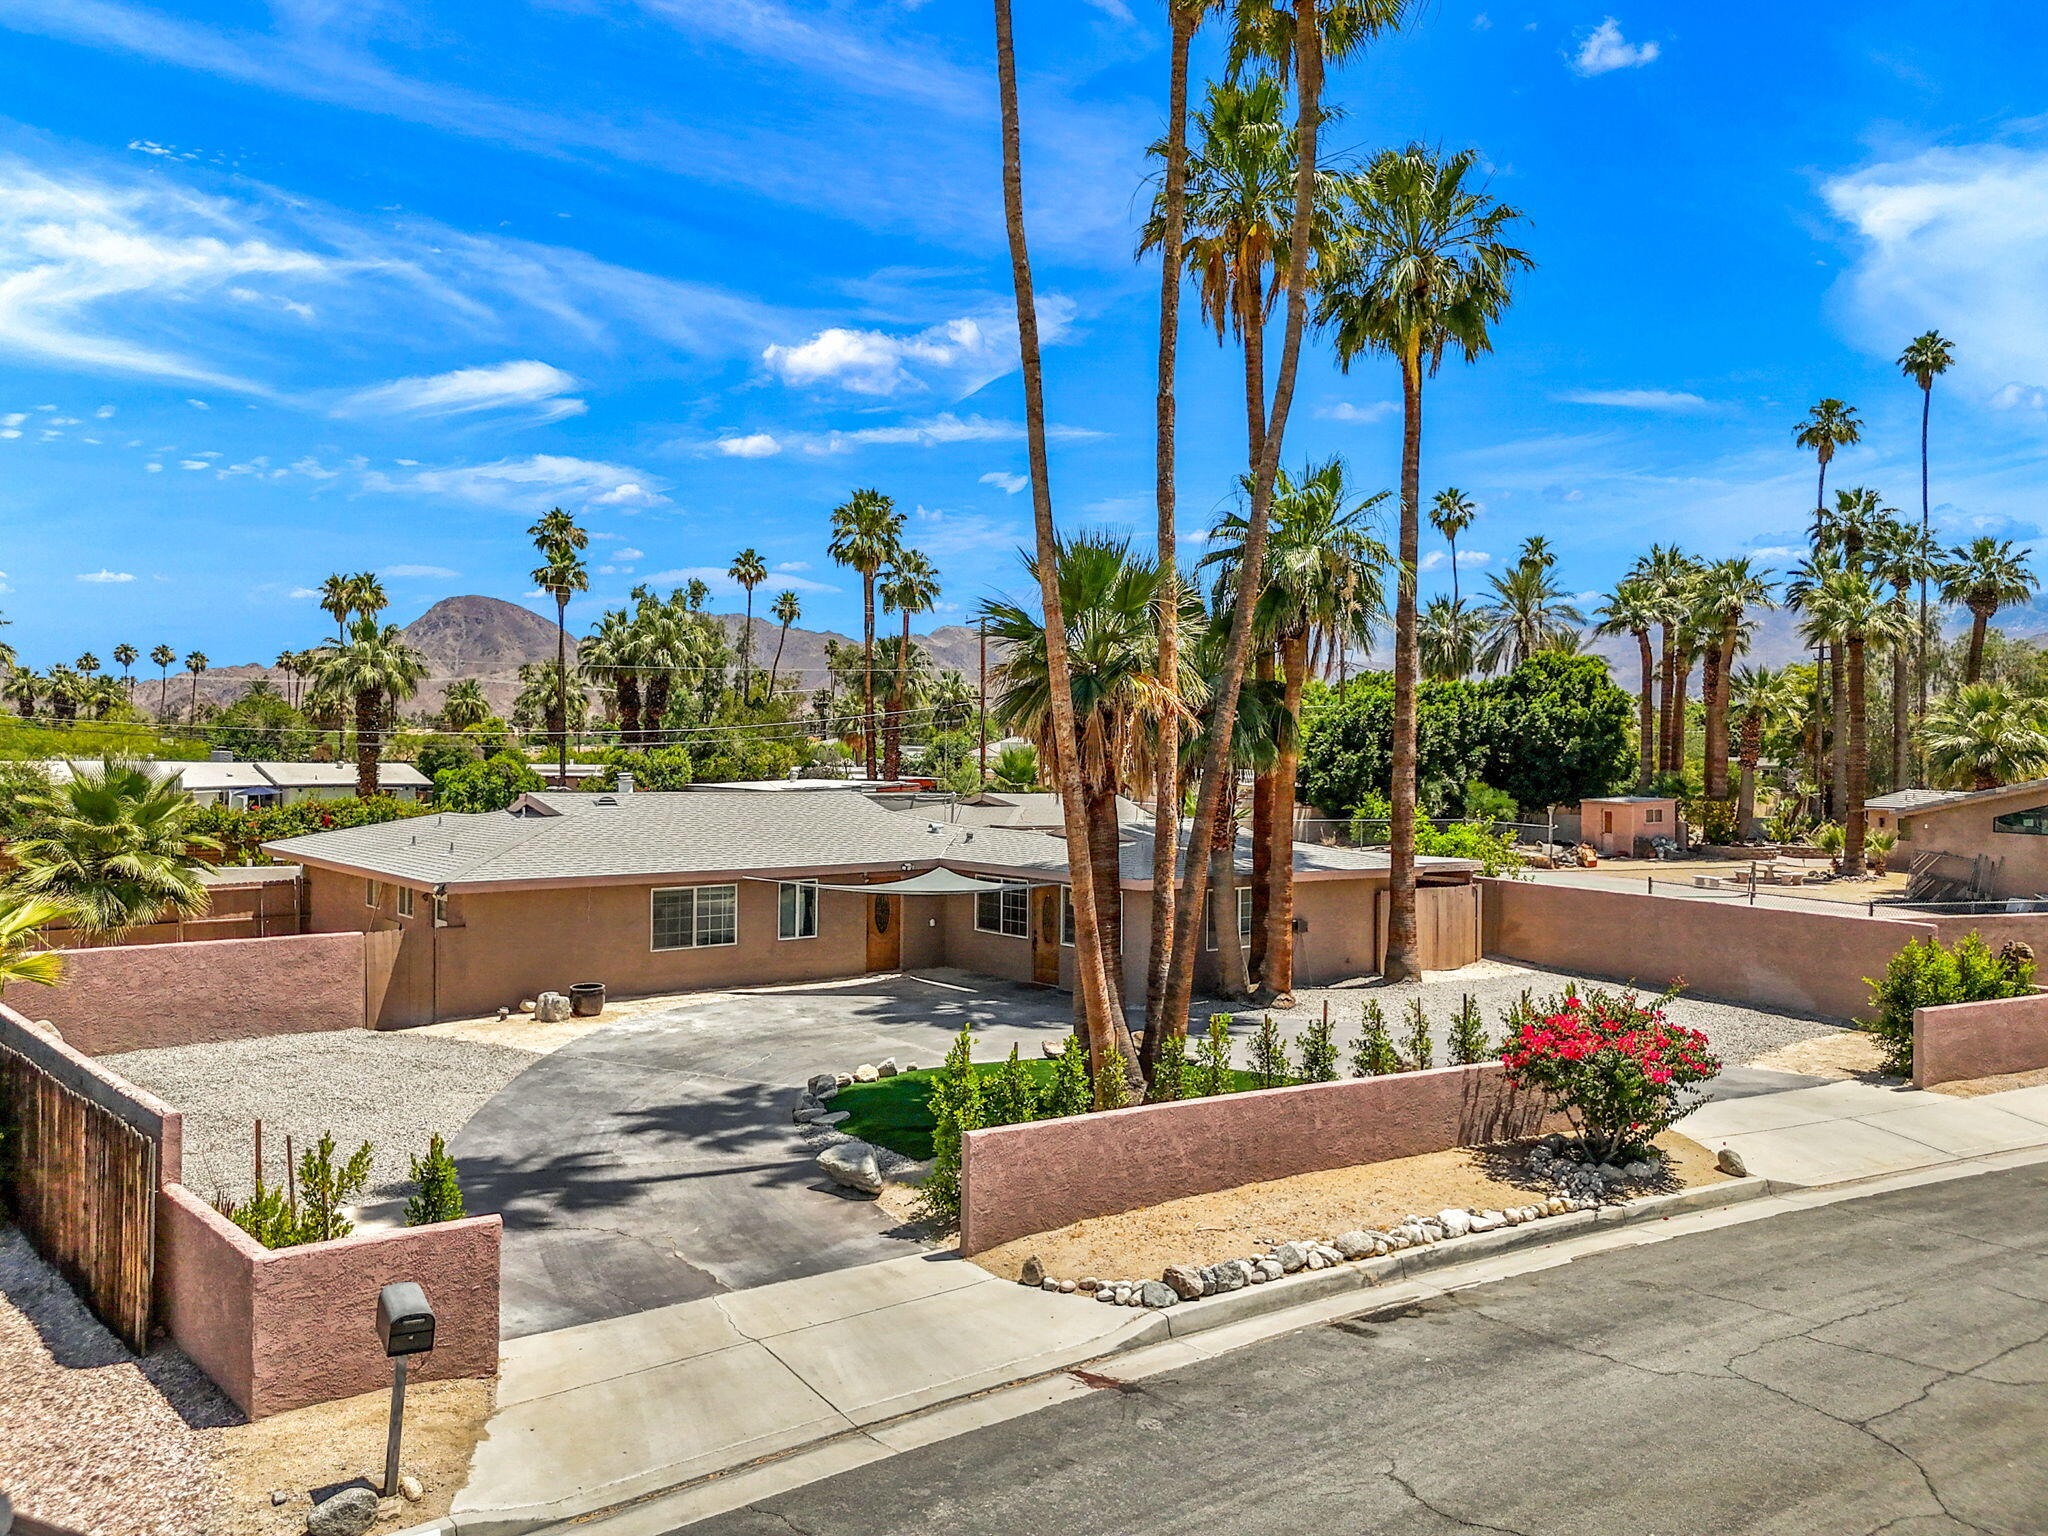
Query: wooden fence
pixel 1447 926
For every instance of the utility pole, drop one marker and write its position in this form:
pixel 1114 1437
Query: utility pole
pixel 982 710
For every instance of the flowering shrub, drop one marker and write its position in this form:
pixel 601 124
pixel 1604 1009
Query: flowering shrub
pixel 1615 1065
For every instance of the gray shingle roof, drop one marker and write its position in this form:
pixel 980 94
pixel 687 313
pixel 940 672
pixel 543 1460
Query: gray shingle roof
pixel 323 775
pixel 1912 799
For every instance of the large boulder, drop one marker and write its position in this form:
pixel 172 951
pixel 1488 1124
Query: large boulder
pixel 551 1008
pixel 852 1165
pixel 347 1513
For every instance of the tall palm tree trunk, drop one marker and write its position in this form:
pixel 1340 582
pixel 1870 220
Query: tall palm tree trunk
pixel 562 687
pixel 1926 406
pixel 899 700
pixel 1646 712
pixel 369 716
pixel 1166 790
pixel 1233 978
pixel 1980 620
pixel 1902 733
pixel 1838 724
pixel 1720 664
pixel 1276 974
pixel 1454 570
pixel 1403 961
pixel 1745 788
pixel 1667 681
pixel 747 650
pixel 1223 718
pixel 775 666
pixel 1856 761
pixel 867 664
pixel 1105 868
pixel 1102 1014
pixel 1263 804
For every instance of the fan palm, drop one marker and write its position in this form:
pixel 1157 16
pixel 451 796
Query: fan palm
pixel 1450 514
pixel 1448 638
pixel 1633 609
pixel 787 610
pixel 125 657
pixel 372 670
pixel 464 705
pixel 866 531
pixel 196 664
pixel 1528 612
pixel 20 921
pixel 1984 736
pixel 1846 611
pixel 163 656
pixel 1926 358
pixel 1985 575
pixel 113 848
pixel 611 653
pixel 1898 556
pixel 544 694
pixel 749 570
pixel 910 587
pixel 1430 270
pixel 560 544
pixel 1827 427
pixel 1728 591
pixel 1670 576
pixel 1758 699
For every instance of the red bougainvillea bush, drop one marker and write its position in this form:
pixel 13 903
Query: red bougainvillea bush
pixel 1617 1068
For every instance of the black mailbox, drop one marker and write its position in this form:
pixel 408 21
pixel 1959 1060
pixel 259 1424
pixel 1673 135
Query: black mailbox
pixel 405 1319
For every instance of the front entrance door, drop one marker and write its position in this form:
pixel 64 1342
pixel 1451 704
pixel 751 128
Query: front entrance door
pixel 885 933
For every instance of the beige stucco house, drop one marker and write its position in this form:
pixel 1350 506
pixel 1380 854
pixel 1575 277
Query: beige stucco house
pixel 1613 823
pixel 1992 843
pixel 652 893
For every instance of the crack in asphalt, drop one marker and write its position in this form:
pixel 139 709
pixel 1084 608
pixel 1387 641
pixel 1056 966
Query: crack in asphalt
pixel 1393 1476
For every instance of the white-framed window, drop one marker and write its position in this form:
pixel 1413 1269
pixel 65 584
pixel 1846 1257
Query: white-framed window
pixel 1006 911
pixel 440 910
pixel 797 909
pixel 1244 916
pixel 694 916
pixel 373 893
pixel 405 901
pixel 1649 816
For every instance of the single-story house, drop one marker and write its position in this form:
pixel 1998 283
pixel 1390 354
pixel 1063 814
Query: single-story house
pixel 337 781
pixel 1990 843
pixel 1613 823
pixel 224 781
pixel 1882 812
pixel 653 893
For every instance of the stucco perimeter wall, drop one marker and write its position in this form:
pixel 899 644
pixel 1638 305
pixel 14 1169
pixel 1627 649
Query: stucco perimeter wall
pixel 128 997
pixel 1964 1040
pixel 85 1077
pixel 287 1328
pixel 1020 1179
pixel 1766 957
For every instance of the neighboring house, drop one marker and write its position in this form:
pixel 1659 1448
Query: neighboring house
pixel 1033 811
pixel 651 893
pixel 337 781
pixel 1882 812
pixel 220 781
pixel 1613 823
pixel 1992 843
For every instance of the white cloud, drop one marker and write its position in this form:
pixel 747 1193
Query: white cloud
pixel 925 432
pixel 793 565
pixel 1010 484
pixel 527 384
pixel 1604 49
pixel 194 464
pixel 104 575
pixel 13 418
pixel 531 484
pixel 104 412
pixel 1482 22
pixel 153 468
pixel 10 431
pixel 754 445
pixel 962 354
pixel 418 570
pixel 631 554
pixel 716 579
pixel 1635 399
pixel 1344 410
pixel 303 593
pixel 2019 397
pixel 199 405
pixel 1468 559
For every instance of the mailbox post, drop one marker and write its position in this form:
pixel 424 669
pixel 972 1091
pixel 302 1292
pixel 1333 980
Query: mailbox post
pixel 405 1325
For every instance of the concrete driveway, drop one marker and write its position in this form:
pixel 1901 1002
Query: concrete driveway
pixel 654 1161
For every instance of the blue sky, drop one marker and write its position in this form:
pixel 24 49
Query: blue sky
pixel 312 286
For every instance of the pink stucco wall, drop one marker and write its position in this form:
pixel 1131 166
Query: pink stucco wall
pixel 287 1328
pixel 1805 961
pixel 1965 1040
pixel 1020 1179
pixel 129 997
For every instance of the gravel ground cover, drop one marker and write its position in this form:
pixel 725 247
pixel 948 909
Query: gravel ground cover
pixel 1737 1035
pixel 393 1089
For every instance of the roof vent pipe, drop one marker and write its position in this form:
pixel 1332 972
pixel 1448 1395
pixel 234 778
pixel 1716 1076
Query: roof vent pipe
pixel 625 783
pixel 220 755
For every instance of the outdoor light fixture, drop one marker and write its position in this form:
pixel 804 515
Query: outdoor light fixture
pixel 405 1326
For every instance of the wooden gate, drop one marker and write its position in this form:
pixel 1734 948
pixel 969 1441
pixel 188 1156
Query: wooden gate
pixel 83 1187
pixel 1446 926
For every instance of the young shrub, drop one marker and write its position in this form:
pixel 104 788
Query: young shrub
pixel 1211 1070
pixel 1069 1092
pixel 1924 974
pixel 264 1216
pixel 1420 1050
pixel 1468 1034
pixel 1318 1047
pixel 1615 1066
pixel 1007 1094
pixel 439 1188
pixel 1521 1011
pixel 324 1189
pixel 1112 1087
pixel 1171 1073
pixel 1373 1053
pixel 956 1110
pixel 1269 1054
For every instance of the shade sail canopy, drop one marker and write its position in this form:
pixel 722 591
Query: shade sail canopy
pixel 933 882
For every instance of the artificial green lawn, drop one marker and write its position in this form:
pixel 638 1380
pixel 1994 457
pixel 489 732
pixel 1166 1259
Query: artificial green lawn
pixel 895 1112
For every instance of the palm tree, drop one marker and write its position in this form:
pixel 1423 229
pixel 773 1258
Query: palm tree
pixel 337 601
pixel 561 572
pixel 543 696
pixel 1448 637
pixel 1430 270
pixel 1828 426
pixel 1670 575
pixel 1528 613
pixel 1926 358
pixel 1984 736
pixel 1985 576
pixel 1728 590
pixel 749 570
pixel 612 653
pixel 1758 698
pixel 196 664
pixel 20 921
pixel 1845 611
pixel 125 657
pixel 1897 555
pixel 1321 588
pixel 464 705
pixel 373 670
pixel 1633 609
pixel 366 595
pixel 866 530
pixel 1450 514
pixel 113 848
pixel 163 656
pixel 911 587
pixel 787 610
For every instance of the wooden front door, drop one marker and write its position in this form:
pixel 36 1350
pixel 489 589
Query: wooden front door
pixel 885 933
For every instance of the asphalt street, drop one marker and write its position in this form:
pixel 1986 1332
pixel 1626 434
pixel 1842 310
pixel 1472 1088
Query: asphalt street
pixel 1876 1365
